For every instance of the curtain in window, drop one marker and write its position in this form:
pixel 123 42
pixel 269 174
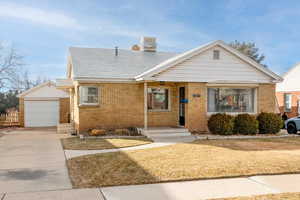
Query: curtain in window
pixel 158 98
pixel 230 100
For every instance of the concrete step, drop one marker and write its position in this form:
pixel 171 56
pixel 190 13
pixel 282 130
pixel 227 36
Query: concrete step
pixel 166 132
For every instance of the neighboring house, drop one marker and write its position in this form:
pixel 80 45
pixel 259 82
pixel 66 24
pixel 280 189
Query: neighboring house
pixel 113 88
pixel 44 105
pixel 288 92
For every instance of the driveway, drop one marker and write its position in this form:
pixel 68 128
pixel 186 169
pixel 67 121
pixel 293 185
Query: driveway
pixel 32 160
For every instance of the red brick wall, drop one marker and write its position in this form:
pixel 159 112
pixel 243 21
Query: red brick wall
pixel 295 99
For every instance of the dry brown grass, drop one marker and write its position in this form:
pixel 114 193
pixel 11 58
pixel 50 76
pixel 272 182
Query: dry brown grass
pixel 198 160
pixel 283 196
pixel 75 143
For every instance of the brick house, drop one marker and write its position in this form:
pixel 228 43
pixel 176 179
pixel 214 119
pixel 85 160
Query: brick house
pixel 288 92
pixel 142 87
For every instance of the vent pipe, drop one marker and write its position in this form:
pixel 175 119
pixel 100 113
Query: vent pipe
pixel 116 51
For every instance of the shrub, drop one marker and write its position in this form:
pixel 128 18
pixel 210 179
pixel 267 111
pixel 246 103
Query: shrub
pixel 269 123
pixel 221 124
pixel 97 132
pixel 133 131
pixel 245 124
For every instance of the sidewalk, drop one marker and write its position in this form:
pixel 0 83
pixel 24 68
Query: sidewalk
pixel 206 189
pixel 191 190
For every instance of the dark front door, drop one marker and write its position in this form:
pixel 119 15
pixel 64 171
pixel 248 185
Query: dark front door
pixel 181 106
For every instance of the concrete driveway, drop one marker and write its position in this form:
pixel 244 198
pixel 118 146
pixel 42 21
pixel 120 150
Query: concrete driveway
pixel 32 160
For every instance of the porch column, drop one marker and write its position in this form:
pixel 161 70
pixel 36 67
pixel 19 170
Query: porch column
pixel 145 106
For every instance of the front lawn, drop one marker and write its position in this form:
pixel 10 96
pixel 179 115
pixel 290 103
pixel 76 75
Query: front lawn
pixel 75 143
pixel 187 161
pixel 285 196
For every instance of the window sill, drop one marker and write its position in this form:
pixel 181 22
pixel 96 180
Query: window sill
pixel 88 105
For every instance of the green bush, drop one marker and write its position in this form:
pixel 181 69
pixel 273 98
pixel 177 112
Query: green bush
pixel 269 123
pixel 221 124
pixel 245 124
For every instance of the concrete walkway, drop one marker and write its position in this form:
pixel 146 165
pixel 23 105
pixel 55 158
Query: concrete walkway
pixel 191 190
pixel 206 189
pixel 32 160
pixel 158 142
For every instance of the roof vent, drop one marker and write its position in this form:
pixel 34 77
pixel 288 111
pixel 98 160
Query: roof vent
pixel 116 51
pixel 148 44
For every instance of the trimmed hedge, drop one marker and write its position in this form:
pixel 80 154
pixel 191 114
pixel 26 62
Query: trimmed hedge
pixel 269 123
pixel 221 124
pixel 245 124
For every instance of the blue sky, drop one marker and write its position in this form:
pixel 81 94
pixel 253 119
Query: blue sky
pixel 42 30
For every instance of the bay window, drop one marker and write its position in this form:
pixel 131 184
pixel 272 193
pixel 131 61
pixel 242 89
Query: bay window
pixel 89 95
pixel 158 99
pixel 235 100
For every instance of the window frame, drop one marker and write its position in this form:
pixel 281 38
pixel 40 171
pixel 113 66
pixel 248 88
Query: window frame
pixel 80 95
pixel 255 99
pixel 291 101
pixel 169 99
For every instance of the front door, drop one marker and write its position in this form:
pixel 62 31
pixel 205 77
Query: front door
pixel 182 106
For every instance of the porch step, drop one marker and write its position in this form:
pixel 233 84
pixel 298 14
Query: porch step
pixel 165 132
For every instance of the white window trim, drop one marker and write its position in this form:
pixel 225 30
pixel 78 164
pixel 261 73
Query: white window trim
pixel 169 100
pixel 80 96
pixel 255 103
pixel 291 101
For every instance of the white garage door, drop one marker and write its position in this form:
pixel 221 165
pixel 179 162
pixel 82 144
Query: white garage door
pixel 41 113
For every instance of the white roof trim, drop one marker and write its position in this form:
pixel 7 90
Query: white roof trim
pixel 186 55
pixel 117 80
pixel 35 88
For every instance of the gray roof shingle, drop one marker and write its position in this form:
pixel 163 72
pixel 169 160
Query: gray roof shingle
pixel 102 63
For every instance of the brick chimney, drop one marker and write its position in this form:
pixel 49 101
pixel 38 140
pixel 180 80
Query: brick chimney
pixel 148 44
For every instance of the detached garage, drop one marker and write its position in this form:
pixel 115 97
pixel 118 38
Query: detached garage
pixel 44 106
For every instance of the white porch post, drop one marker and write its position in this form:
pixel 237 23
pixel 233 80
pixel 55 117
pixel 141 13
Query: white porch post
pixel 145 106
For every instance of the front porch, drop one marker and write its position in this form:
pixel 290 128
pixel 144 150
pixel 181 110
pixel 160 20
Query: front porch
pixel 174 104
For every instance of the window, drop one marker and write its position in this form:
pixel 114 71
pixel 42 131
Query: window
pixel 231 100
pixel 287 102
pixel 216 54
pixel 88 95
pixel 158 99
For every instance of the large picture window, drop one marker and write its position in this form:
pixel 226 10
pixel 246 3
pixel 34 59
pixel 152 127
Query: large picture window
pixel 88 95
pixel 158 99
pixel 231 100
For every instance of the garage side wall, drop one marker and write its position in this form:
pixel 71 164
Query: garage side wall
pixel 64 110
pixel 21 112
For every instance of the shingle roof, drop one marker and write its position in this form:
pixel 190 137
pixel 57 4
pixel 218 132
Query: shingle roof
pixel 103 63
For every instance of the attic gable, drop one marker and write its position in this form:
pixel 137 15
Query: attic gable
pixel 203 67
pixel 200 65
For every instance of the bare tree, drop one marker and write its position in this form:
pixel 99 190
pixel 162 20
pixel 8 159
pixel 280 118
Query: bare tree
pixel 23 81
pixel 10 66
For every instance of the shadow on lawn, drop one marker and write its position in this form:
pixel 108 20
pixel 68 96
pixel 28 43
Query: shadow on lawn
pixel 255 144
pixel 107 169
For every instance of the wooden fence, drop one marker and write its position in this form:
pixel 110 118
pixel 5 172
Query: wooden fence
pixel 9 119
